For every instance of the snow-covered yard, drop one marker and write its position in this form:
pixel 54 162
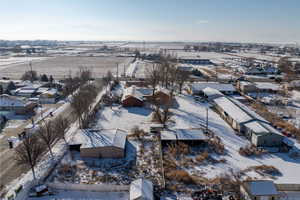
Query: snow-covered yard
pixel 68 194
pixel 122 118
pixel 191 114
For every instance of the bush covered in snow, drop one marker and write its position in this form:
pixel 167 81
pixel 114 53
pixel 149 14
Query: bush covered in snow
pixel 251 150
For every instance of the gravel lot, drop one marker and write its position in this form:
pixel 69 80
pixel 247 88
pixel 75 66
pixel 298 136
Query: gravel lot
pixel 62 66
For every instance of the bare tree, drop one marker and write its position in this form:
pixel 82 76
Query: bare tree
pixel 47 135
pixel 82 101
pixel 182 77
pixel 28 152
pixel 108 77
pixel 84 74
pixel 61 125
pixel 153 76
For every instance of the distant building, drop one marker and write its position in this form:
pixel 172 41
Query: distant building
pixel 141 189
pixel 194 61
pixel 258 87
pixel 16 104
pixel 259 190
pixel 48 97
pixel 106 143
pixel 27 91
pixel 198 87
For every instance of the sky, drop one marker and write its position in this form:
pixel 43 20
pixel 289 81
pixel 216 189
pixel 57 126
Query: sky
pixel 151 20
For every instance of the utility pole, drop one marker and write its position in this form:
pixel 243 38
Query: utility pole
pixel 117 71
pixel 31 71
pixel 207 120
pixel 124 70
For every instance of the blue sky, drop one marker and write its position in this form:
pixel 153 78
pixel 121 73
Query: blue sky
pixel 152 20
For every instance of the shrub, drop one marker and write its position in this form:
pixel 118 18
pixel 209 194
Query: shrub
pixel 251 150
pixel 267 169
pixel 202 157
pixel 216 145
pixel 180 176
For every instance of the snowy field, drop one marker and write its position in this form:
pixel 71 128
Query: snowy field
pixel 68 194
pixel 6 62
pixel 63 66
pixel 190 114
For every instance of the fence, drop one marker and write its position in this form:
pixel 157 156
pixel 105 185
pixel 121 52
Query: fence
pixel 288 187
pixel 86 187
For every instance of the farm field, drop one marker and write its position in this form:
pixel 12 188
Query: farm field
pixel 62 66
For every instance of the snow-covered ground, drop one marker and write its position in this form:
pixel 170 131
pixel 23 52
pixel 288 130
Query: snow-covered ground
pixel 191 114
pixel 7 61
pixel 122 118
pixel 138 69
pixel 68 194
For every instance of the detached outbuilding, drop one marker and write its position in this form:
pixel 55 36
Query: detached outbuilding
pixel 105 143
pixel 259 190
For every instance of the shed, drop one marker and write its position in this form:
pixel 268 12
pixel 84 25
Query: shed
pixel 259 190
pixel 105 143
pixel 190 136
pixel 141 189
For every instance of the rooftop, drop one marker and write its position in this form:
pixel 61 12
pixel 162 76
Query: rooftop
pixel 100 138
pixel 261 187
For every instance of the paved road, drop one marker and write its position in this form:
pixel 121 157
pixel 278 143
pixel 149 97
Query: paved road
pixel 9 169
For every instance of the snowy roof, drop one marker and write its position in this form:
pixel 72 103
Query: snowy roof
pixel 242 114
pixel 210 92
pixel 261 188
pixel 267 85
pixel 100 138
pixel 199 86
pixel 141 189
pixel 234 111
pixel 183 134
pixel 256 127
pixel 132 92
pixel 7 100
pixel 49 93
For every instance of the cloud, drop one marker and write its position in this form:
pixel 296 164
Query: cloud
pixel 202 21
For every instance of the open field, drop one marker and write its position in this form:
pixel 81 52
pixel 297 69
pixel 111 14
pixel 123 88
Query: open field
pixel 62 66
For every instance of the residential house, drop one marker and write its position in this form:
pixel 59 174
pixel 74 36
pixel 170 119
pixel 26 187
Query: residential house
pixel 259 190
pixel 132 97
pixel 27 91
pixel 48 97
pixel 106 143
pixel 16 104
pixel 141 189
